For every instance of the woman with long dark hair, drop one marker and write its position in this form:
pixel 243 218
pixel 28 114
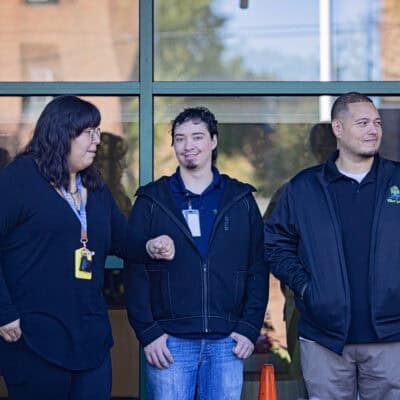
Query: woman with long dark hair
pixel 58 222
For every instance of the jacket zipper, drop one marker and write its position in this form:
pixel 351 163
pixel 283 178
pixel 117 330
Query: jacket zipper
pixel 339 242
pixel 378 209
pixel 205 295
pixel 203 263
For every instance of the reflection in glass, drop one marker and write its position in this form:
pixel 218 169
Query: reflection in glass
pixel 4 157
pixel 69 41
pixel 119 119
pixel 111 160
pixel 219 40
pixel 263 140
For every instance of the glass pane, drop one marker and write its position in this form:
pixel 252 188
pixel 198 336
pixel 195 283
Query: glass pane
pixel 276 40
pixel 69 40
pixel 265 141
pixel 117 158
pixel 117 155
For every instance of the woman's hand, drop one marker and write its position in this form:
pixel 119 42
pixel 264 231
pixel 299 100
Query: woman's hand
pixel 11 332
pixel 161 248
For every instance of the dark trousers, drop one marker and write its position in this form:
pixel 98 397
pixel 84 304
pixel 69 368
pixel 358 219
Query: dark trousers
pixel 28 376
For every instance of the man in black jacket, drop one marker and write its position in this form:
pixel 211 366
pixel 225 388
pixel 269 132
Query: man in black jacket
pixel 198 315
pixel 330 239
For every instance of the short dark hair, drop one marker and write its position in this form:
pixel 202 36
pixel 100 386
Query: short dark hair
pixel 202 114
pixel 343 100
pixel 62 120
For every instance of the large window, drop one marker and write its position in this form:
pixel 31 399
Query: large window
pixel 276 41
pixel 260 66
pixel 76 40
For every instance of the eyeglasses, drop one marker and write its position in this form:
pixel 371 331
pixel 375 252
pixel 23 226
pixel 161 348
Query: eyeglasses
pixel 95 133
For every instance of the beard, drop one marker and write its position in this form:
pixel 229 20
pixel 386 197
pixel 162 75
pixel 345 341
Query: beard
pixel 369 153
pixel 359 152
pixel 191 165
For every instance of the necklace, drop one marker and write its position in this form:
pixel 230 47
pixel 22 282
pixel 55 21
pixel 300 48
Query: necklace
pixel 74 192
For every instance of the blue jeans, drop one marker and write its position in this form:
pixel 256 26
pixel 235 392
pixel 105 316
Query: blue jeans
pixel 208 364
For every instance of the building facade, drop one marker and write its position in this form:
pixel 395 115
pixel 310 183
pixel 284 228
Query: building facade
pixel 269 76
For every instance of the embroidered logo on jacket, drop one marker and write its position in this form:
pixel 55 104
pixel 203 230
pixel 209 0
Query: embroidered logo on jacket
pixel 394 196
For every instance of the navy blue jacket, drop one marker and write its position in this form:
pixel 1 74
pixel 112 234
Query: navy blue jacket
pixel 63 319
pixel 303 244
pixel 223 292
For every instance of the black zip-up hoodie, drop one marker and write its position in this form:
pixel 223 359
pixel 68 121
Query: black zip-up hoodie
pixel 223 292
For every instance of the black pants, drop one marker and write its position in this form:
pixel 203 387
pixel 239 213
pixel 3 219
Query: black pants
pixel 28 376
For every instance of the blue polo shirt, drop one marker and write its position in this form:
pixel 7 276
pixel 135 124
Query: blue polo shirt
pixel 355 206
pixel 207 203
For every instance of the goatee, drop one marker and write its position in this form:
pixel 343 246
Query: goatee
pixel 191 165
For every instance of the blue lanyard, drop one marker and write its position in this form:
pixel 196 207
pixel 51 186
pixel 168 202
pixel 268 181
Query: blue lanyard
pixel 81 214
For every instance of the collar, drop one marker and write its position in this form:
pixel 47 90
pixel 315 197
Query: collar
pixel 178 186
pixel 332 173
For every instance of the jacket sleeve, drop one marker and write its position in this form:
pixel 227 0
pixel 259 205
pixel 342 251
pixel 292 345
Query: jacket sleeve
pixel 281 244
pixel 127 242
pixel 11 214
pixel 8 312
pixel 119 229
pixel 257 286
pixel 137 286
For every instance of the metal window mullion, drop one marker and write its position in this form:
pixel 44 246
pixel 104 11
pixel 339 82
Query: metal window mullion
pixel 271 88
pixel 146 107
pixel 146 126
pixel 76 88
pixel 147 89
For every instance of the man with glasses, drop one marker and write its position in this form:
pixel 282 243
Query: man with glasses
pixel 331 240
pixel 199 314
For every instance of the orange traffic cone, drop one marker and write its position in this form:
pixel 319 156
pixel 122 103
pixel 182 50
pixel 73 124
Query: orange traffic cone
pixel 267 383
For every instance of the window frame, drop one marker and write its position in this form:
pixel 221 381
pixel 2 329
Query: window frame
pixel 40 2
pixel 146 89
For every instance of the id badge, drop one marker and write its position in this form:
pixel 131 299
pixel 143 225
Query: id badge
pixel 192 218
pixel 83 263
